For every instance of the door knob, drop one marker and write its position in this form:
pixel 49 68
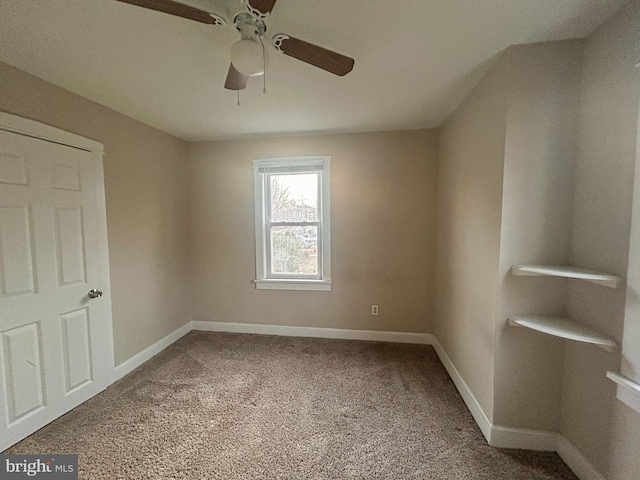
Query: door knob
pixel 93 293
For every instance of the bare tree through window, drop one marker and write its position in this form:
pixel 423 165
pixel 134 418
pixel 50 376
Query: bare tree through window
pixel 294 219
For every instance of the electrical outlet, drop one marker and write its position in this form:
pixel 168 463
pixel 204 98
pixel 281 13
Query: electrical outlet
pixel 374 309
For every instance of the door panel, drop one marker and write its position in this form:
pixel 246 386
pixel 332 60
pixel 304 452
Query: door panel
pixel 16 254
pixel 65 175
pixel 13 169
pixel 56 348
pixel 76 348
pixel 23 370
pixel 69 235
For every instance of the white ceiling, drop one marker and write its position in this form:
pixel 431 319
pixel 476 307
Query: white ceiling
pixel 415 60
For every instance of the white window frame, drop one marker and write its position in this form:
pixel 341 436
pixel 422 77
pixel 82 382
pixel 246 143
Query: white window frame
pixel 261 170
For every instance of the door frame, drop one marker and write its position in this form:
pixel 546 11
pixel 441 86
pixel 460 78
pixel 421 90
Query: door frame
pixel 34 129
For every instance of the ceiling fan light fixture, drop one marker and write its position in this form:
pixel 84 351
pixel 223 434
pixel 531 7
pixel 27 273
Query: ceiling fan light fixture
pixel 246 56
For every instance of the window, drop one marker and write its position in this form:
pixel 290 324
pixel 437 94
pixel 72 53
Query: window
pixel 293 240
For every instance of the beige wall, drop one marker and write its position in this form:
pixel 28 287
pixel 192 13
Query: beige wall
pixel 630 362
pixel 537 201
pixel 425 224
pixel 566 117
pixel 471 161
pixel 603 428
pixel 383 230
pixel 625 423
pixel 145 175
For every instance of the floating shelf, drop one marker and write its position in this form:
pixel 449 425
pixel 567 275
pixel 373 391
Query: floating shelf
pixel 628 390
pixel 624 381
pixel 564 328
pixel 606 279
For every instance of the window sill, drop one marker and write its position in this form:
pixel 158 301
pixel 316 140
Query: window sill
pixel 292 284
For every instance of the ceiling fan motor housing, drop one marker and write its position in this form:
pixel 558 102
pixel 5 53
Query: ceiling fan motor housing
pixel 244 19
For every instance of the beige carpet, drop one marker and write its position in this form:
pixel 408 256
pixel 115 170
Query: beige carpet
pixel 230 406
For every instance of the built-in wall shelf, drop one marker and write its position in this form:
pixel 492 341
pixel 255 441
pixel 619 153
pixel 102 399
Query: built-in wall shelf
pixel 606 279
pixel 624 381
pixel 628 390
pixel 564 328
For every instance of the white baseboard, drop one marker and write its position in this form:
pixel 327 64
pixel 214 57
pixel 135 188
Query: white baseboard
pixel 472 404
pixel 576 461
pixel 149 352
pixel 508 437
pixel 286 331
pixel 496 435
pixel 524 438
pixel 337 333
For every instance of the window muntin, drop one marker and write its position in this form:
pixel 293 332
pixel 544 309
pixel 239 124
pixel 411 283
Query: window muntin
pixel 292 223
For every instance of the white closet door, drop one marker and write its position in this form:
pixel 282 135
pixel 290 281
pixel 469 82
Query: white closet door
pixel 55 341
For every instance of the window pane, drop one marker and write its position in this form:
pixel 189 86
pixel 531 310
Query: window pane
pixel 294 250
pixel 294 197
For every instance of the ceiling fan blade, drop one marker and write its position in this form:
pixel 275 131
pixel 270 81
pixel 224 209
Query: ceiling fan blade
pixel 312 54
pixel 179 10
pixel 235 79
pixel 260 8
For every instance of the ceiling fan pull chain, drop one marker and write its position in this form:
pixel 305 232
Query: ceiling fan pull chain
pixel 264 68
pixel 238 104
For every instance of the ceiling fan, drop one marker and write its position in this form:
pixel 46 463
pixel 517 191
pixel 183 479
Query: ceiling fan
pixel 247 54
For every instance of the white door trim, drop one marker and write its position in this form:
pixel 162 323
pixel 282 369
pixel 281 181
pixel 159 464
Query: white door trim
pixel 31 128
